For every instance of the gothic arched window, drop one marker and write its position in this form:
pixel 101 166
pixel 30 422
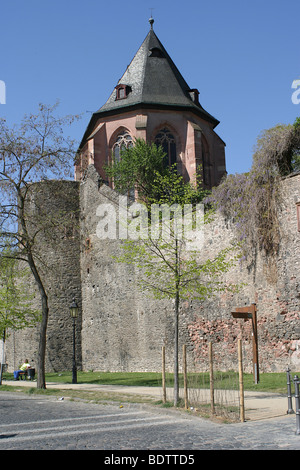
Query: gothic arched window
pixel 123 141
pixel 206 165
pixel 167 141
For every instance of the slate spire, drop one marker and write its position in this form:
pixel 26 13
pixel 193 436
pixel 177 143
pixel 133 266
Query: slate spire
pixel 153 80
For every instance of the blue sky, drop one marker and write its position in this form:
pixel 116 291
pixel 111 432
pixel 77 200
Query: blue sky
pixel 242 56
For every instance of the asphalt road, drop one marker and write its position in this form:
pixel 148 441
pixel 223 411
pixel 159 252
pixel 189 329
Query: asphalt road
pixel 31 422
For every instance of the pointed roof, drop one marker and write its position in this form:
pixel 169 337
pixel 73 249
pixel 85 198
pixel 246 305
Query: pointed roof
pixel 152 80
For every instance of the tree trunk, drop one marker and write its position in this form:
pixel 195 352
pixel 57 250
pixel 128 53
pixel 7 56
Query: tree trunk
pixel 2 365
pixel 41 381
pixel 176 313
pixel 176 380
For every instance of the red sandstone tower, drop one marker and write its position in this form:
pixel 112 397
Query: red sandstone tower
pixel 152 101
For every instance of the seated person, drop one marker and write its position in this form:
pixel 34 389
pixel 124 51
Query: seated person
pixel 23 367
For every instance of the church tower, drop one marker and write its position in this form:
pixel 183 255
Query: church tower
pixel 152 101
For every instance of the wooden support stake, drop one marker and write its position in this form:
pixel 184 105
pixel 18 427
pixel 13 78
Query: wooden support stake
pixel 185 378
pixel 164 374
pixel 211 379
pixel 255 344
pixel 241 382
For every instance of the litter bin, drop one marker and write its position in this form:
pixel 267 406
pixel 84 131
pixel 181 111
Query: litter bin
pixel 31 373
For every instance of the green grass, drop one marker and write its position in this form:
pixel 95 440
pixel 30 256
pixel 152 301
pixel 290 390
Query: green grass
pixel 146 379
pixel 269 382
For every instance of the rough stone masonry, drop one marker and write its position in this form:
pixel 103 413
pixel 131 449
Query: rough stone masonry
pixel 122 329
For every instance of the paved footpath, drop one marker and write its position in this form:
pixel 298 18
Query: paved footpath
pixel 33 422
pixel 42 422
pixel 258 405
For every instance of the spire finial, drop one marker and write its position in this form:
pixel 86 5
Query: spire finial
pixel 151 20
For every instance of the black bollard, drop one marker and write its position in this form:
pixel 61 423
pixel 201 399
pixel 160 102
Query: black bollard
pixel 297 400
pixel 289 392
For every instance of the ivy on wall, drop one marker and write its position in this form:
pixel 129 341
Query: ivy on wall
pixel 251 200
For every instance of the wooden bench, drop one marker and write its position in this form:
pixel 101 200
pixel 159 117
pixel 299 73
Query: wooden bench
pixel 30 373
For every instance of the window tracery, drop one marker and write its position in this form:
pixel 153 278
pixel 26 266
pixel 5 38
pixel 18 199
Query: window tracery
pixel 166 139
pixel 206 165
pixel 123 141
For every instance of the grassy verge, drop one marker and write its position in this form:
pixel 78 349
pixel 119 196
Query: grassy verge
pixel 269 382
pixel 85 395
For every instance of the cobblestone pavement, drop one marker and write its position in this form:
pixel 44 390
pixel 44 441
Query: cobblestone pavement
pixel 47 423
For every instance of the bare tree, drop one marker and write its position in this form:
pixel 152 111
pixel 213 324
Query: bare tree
pixel 34 151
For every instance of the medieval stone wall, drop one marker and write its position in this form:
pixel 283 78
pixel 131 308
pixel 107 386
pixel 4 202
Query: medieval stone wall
pixel 273 286
pixel 54 211
pixel 123 329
